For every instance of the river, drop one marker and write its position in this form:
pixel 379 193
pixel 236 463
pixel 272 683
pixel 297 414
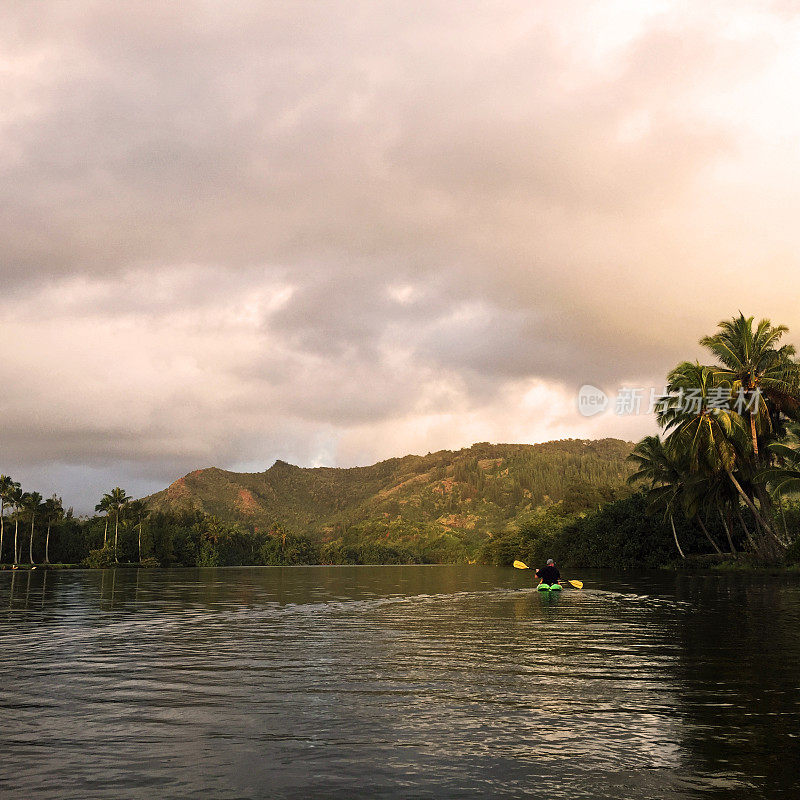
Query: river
pixel 397 682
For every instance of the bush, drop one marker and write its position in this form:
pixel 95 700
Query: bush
pixel 100 559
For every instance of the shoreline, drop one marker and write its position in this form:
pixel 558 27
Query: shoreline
pixel 740 566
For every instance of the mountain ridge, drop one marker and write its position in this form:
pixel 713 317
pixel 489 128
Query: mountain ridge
pixel 468 493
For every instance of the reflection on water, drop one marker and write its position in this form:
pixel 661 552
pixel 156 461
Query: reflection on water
pixel 397 682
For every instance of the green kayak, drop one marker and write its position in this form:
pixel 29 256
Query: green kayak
pixel 549 587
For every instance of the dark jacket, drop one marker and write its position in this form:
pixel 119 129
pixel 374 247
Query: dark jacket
pixel 548 574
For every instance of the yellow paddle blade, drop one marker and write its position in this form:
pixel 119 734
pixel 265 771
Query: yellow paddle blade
pixel 520 565
pixel 577 584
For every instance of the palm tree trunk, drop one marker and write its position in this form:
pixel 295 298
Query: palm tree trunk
pixel 47 545
pixel 768 510
pixel 783 517
pixel 746 530
pixel 751 505
pixel 116 531
pixel 727 529
pixel 753 435
pixel 30 543
pixel 748 502
pixel 768 545
pixel 16 551
pixel 675 536
pixel 105 533
pixel 140 542
pixel 708 536
pixel 728 523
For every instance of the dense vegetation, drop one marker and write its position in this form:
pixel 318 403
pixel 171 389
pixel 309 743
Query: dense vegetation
pixel 720 482
pixel 730 460
pixel 438 508
pixel 623 534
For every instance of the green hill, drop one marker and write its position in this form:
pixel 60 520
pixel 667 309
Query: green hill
pixel 442 500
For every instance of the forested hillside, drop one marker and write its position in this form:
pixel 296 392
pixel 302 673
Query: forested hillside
pixel 443 503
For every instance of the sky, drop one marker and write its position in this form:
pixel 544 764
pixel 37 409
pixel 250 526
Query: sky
pixel 333 233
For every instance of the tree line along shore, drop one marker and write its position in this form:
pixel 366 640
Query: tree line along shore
pixel 721 480
pixel 717 487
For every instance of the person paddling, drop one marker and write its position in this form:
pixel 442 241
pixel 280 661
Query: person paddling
pixel 549 574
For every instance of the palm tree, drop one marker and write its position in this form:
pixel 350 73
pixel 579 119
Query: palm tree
pixel 139 512
pixel 705 437
pixel 6 487
pixel 118 500
pixel 15 496
pixel 656 467
pixel 104 507
pixel 672 487
pixel 752 363
pixel 32 505
pixel 709 438
pixel 710 493
pixel 54 509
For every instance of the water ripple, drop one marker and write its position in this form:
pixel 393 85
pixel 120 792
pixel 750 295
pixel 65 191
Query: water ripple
pixel 395 682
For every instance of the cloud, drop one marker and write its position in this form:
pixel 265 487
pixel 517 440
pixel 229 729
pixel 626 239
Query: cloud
pixel 265 230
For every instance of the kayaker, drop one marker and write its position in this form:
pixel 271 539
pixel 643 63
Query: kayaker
pixel 549 574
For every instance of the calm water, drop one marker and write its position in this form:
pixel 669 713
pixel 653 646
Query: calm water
pixel 405 682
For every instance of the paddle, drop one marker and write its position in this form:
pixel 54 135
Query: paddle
pixel 522 565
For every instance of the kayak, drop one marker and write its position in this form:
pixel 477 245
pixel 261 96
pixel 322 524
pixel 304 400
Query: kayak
pixel 549 587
